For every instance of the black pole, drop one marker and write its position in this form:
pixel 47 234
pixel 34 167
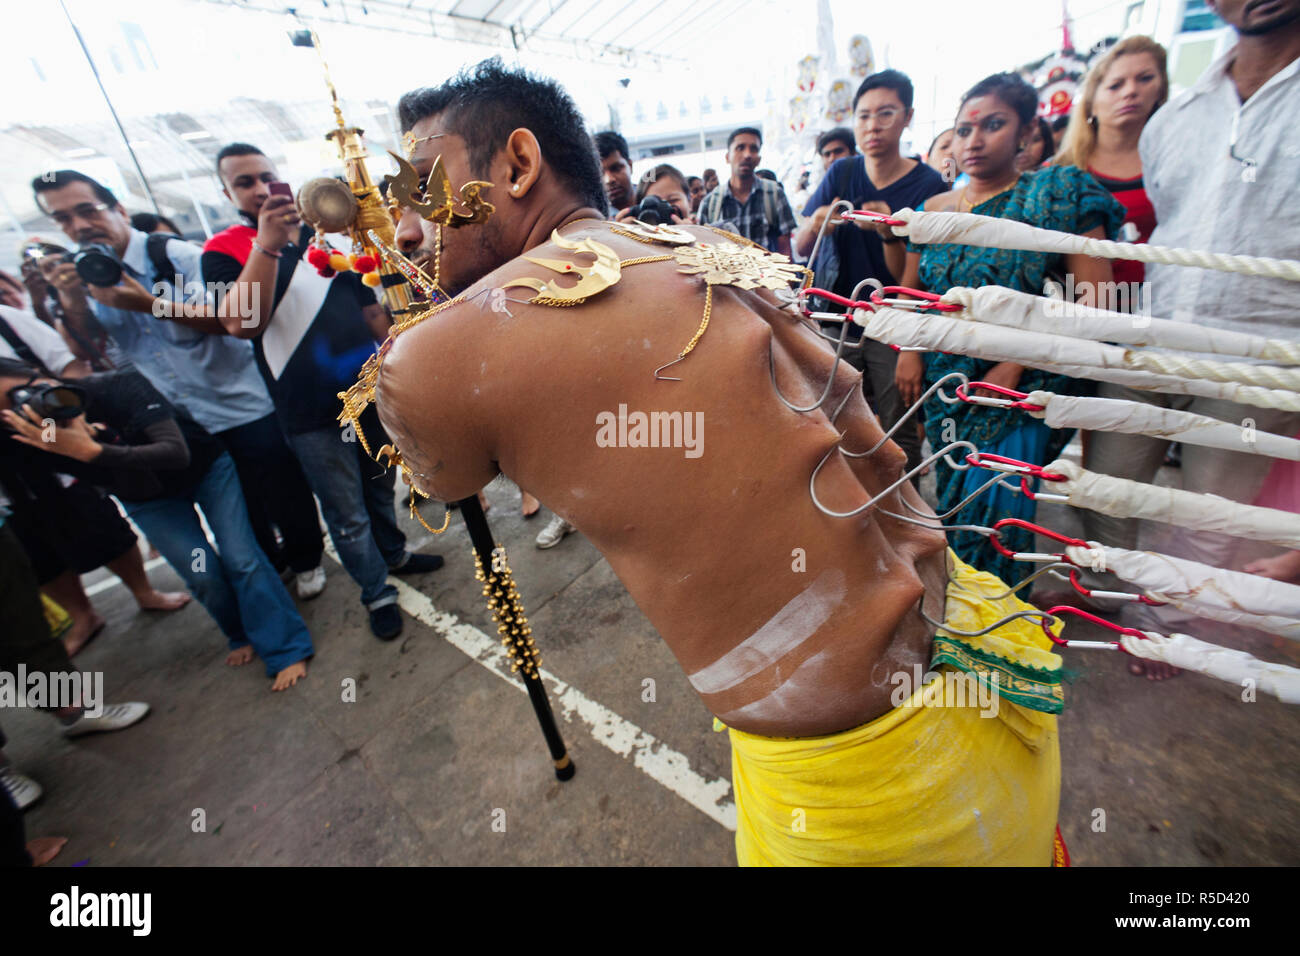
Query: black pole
pixel 481 536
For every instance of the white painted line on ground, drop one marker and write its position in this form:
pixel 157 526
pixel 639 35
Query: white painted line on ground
pixel 661 763
pixel 113 580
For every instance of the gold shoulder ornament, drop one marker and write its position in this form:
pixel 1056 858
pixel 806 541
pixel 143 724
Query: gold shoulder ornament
pixel 604 272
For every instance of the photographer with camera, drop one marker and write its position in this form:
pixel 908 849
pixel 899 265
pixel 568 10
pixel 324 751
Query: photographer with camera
pixel 23 335
pixel 176 341
pixel 162 465
pixel 662 198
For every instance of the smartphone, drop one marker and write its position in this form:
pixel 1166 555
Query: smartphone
pixel 279 189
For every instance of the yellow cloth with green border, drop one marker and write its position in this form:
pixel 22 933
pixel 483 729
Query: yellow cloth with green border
pixel 937 781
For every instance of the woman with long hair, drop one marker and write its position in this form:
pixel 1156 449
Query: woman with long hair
pixel 994 124
pixel 1120 93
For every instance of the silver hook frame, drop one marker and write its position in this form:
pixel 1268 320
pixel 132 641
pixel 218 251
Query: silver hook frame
pixel 908 415
pixel 941 453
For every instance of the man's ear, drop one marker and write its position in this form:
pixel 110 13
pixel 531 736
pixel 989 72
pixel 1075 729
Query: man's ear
pixel 523 162
pixel 907 118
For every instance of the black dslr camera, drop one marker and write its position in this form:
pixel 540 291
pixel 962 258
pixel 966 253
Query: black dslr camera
pixel 96 264
pixel 56 401
pixel 655 211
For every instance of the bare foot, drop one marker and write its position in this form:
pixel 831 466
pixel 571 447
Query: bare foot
pixel 240 656
pixel 81 633
pixel 528 505
pixel 44 849
pixel 1283 567
pixel 290 676
pixel 162 600
pixel 1154 670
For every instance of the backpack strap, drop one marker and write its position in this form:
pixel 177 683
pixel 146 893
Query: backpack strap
pixel 715 203
pixel 163 270
pixel 769 206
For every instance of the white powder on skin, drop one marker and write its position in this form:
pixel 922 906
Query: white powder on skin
pixel 784 631
pixel 789 698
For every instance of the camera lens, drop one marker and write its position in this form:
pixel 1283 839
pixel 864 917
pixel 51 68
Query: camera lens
pixel 98 266
pixel 61 403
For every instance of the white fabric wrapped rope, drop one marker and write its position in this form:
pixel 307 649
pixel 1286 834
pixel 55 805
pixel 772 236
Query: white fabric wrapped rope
pixel 1077 358
pixel 997 305
pixel 1166 578
pixel 1135 418
pixel 974 230
pixel 1235 667
pixel 1123 498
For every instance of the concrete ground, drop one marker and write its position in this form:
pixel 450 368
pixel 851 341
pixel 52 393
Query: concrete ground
pixel 440 761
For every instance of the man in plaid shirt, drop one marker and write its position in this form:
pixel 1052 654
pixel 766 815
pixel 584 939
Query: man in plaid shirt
pixel 754 207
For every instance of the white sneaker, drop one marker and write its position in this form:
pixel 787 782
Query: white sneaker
pixel 554 532
pixel 114 717
pixel 23 790
pixel 311 583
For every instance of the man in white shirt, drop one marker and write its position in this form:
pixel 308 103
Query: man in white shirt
pixel 1221 163
pixel 24 336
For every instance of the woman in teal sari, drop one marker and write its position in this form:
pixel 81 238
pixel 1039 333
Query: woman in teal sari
pixel 995 119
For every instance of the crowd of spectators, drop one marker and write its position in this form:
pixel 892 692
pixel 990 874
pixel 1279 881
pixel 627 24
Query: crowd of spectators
pixel 128 407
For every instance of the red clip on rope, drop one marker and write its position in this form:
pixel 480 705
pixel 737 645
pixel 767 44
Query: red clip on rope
pixel 837 299
pixel 978 459
pixel 878 298
pixel 872 217
pixel 1087 592
pixel 1066 609
pixel 1028 526
pixel 1011 393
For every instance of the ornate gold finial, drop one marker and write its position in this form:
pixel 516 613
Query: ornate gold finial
pixel 436 203
pixel 597 277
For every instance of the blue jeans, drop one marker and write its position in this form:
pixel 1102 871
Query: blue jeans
pixel 356 498
pixel 238 586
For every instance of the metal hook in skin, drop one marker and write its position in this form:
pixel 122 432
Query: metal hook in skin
pixel 967 500
pixel 905 416
pixel 1040 617
pixel 668 378
pixel 941 453
pixel 830 380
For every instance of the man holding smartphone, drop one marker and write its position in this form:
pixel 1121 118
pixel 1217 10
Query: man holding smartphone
pixel 175 340
pixel 311 334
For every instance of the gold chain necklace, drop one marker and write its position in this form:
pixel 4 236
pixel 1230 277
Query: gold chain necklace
pixel 965 190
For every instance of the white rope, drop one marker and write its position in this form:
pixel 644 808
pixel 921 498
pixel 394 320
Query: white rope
pixel 998 305
pixel 1235 667
pixel 1199 588
pixel 1122 498
pixel 1136 418
pixel 1171 363
pixel 1077 358
pixel 974 230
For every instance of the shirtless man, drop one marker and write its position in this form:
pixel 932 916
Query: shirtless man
pixel 704 544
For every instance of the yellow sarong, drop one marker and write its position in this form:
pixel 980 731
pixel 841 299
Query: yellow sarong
pixel 928 783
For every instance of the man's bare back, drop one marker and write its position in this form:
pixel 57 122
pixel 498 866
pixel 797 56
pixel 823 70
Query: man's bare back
pixel 788 622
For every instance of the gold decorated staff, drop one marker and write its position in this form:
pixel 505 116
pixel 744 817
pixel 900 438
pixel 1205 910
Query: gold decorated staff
pixel 357 208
